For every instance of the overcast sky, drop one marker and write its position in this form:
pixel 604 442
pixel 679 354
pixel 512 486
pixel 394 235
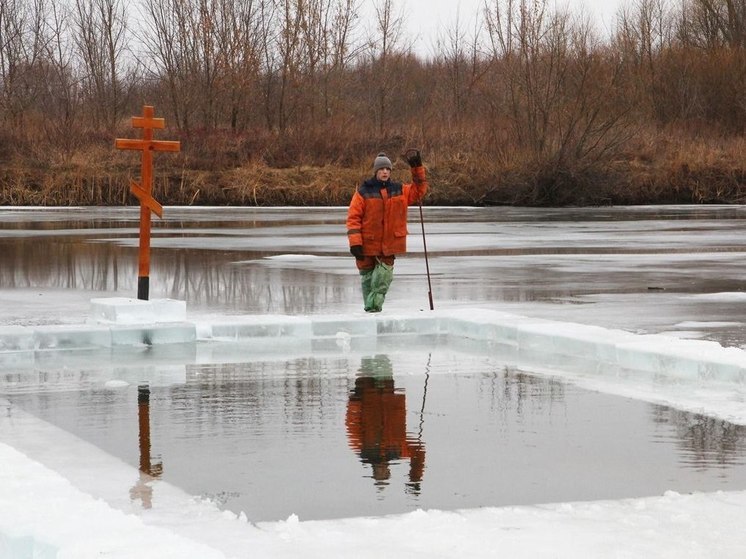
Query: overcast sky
pixel 427 18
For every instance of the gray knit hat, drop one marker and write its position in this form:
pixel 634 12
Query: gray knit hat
pixel 381 162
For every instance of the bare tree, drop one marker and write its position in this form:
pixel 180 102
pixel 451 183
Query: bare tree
pixel 461 61
pixel 712 23
pixel 384 48
pixel 166 39
pixel 324 51
pixel 645 31
pixel 288 46
pixel 61 101
pixel 532 48
pixel 340 32
pixel 340 52
pixel 101 39
pixel 558 91
pixel 22 45
pixel 242 32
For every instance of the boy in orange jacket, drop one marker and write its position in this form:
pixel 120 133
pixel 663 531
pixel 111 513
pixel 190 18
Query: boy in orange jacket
pixel 377 225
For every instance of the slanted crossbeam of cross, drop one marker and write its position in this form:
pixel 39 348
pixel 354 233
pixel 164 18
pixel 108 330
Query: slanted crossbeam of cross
pixel 143 191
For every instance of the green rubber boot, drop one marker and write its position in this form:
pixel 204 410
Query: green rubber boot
pixel 365 278
pixel 380 280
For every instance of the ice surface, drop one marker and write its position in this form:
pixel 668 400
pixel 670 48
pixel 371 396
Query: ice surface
pixel 641 269
pixel 573 293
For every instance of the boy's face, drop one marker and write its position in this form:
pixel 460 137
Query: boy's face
pixel 383 174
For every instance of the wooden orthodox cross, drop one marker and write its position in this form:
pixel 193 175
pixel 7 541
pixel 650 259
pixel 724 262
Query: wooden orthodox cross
pixel 143 191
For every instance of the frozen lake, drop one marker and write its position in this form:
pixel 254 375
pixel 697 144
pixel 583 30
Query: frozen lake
pixel 643 269
pixel 133 450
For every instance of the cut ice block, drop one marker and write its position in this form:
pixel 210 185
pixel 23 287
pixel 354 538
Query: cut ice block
pixel 71 337
pixel 420 325
pixel 331 345
pixel 331 326
pixel 260 327
pixel 123 310
pixel 153 334
pixel 589 342
pixel 16 338
pixel 497 327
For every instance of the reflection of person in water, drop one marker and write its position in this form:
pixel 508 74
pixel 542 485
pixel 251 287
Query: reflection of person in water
pixel 376 423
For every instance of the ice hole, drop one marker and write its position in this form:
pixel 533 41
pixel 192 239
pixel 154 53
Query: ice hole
pixel 339 428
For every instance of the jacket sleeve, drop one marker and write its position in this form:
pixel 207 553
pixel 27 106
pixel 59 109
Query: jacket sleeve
pixel 419 185
pixel 355 220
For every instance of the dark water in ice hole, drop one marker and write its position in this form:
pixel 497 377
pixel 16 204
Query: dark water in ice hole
pixel 352 436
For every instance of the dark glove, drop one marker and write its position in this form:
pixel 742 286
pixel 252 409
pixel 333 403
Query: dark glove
pixel 413 157
pixel 357 252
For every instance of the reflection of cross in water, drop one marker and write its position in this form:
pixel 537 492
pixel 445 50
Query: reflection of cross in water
pixel 142 490
pixel 143 190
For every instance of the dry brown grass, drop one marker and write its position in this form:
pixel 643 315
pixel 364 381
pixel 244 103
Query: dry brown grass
pixel 674 167
pixel 665 166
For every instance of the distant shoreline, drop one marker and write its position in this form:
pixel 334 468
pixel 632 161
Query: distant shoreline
pixel 622 183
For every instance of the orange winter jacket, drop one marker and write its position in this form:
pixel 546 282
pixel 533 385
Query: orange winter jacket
pixel 377 216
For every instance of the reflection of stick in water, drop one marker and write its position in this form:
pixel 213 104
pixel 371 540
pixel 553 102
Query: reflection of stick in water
pixel 142 490
pixel 424 397
pixel 376 423
pixel 414 485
